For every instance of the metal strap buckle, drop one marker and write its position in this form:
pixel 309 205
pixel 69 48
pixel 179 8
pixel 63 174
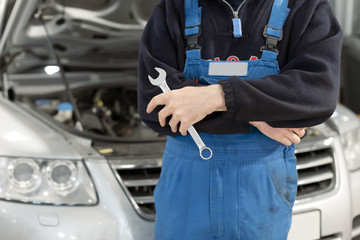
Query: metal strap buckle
pixel 271 41
pixel 267 35
pixel 192 41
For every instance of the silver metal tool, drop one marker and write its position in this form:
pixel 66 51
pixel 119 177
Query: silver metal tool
pixel 160 81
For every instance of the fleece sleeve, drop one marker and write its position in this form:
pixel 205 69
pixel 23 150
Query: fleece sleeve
pixel 305 93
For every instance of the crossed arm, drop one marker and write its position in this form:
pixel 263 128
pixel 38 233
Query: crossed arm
pixel 179 104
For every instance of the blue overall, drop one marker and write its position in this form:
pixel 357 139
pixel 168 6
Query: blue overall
pixel 247 189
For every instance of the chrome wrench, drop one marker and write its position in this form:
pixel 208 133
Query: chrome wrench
pixel 160 81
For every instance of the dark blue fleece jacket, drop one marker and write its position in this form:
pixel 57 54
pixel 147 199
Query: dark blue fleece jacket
pixel 305 93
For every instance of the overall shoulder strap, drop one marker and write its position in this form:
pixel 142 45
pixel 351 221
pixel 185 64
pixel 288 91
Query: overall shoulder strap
pixel 273 31
pixel 192 28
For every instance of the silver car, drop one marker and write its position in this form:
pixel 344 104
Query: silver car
pixel 76 162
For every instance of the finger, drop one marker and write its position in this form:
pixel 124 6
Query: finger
pixel 286 141
pixel 160 99
pixel 184 127
pixel 174 122
pixel 305 133
pixel 299 131
pixel 302 133
pixel 163 114
pixel 293 137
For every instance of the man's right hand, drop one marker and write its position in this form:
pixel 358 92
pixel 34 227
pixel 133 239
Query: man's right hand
pixel 286 136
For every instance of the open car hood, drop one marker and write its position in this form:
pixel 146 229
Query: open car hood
pixel 95 35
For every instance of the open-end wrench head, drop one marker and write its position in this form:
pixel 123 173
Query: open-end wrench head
pixel 160 79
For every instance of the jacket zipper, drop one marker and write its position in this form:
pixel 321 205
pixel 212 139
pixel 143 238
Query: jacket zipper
pixel 237 29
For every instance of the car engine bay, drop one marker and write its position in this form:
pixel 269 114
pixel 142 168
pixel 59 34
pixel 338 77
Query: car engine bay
pixel 104 111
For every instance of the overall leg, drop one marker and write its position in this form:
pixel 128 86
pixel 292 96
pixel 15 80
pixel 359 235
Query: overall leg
pixel 268 193
pixel 182 199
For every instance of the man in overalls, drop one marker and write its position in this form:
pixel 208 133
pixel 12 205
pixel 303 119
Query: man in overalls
pixel 250 75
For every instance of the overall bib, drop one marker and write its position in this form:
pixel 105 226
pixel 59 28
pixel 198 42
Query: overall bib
pixel 247 189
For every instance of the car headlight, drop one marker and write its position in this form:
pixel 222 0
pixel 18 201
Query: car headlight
pixel 38 181
pixel 351 144
pixel 24 175
pixel 63 177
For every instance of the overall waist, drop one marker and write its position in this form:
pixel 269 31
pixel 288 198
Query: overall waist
pixel 249 148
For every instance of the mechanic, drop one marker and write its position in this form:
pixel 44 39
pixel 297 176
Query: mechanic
pixel 250 112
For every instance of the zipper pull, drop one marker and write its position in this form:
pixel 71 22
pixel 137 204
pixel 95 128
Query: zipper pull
pixel 237 27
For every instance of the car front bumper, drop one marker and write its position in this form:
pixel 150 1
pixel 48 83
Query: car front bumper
pixel 113 217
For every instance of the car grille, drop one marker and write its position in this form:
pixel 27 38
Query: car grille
pixel 138 177
pixel 316 172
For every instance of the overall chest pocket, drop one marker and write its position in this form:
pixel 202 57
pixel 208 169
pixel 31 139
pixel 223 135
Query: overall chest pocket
pixel 217 71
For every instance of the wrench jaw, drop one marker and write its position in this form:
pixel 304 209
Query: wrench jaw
pixel 160 79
